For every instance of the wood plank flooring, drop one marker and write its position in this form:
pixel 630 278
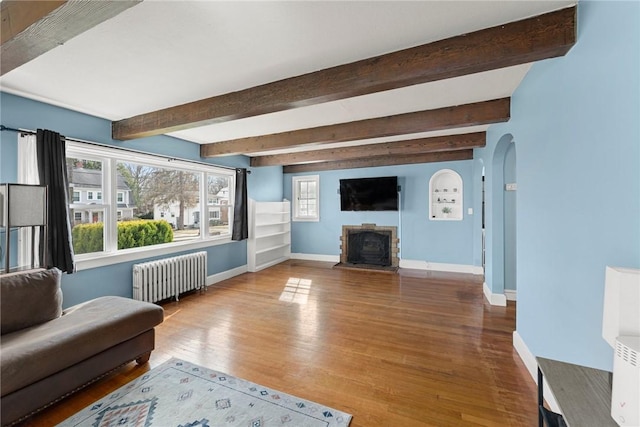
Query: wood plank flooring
pixel 393 350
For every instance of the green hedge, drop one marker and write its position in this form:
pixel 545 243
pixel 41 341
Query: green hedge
pixel 88 238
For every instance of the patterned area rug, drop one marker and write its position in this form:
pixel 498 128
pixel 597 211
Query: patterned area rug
pixel 179 393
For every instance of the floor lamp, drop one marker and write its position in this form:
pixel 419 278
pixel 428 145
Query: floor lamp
pixel 23 205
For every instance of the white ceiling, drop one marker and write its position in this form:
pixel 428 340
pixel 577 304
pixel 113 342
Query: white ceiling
pixel 163 53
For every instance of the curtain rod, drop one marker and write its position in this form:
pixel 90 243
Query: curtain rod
pixel 32 132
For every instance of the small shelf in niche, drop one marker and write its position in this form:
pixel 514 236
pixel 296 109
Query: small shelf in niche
pixel 445 196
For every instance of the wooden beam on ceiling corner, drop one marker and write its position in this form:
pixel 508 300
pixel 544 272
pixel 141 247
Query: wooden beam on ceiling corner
pixel 368 162
pixel 479 113
pixel 31 28
pixel 541 37
pixel 406 147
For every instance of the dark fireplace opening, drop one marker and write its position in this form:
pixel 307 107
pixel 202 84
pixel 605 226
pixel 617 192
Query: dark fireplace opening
pixel 369 247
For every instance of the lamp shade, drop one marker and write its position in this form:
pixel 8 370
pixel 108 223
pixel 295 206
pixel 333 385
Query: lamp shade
pixel 23 205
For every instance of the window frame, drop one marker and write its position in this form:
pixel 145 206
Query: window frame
pixel 295 190
pixel 110 157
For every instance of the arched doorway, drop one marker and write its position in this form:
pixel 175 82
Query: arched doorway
pixel 503 217
pixel 509 224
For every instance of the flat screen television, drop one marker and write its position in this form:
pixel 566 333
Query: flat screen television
pixel 369 194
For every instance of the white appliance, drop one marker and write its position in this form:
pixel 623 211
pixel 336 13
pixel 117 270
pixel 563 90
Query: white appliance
pixel 625 394
pixel 621 329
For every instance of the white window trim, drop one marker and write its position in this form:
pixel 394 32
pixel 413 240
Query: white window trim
pixel 110 257
pixel 294 193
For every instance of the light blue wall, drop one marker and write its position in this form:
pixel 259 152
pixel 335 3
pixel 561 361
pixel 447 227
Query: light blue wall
pixel 265 184
pixel 18 112
pixel 575 121
pixel 448 242
pixel 476 189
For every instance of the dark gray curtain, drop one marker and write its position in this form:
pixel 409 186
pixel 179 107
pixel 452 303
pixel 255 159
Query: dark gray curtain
pixel 240 215
pixel 53 173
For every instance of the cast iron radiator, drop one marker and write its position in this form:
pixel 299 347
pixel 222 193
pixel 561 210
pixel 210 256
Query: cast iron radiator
pixel 169 277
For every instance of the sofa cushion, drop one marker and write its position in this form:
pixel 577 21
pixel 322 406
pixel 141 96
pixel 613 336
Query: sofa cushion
pixel 82 331
pixel 29 298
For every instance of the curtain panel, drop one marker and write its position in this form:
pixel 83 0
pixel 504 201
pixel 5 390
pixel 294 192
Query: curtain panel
pixel 53 173
pixel 28 174
pixel 240 213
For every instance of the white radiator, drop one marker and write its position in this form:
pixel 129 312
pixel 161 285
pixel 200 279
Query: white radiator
pixel 169 277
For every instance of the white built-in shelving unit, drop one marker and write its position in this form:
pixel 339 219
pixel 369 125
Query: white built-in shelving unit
pixel 445 196
pixel 269 234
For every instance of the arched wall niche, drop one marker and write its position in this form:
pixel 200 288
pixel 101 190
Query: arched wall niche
pixel 445 196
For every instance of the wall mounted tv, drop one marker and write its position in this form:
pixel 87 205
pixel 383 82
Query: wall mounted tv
pixel 369 194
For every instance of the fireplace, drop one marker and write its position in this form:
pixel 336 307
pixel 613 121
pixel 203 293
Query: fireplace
pixel 368 246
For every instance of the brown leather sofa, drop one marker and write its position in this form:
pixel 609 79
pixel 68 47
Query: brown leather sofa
pixel 47 353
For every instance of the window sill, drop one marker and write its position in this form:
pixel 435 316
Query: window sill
pixel 87 262
pixel 302 219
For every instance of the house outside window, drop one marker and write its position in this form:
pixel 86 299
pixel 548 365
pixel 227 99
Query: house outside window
pixel 99 195
pixel 86 176
pixel 120 197
pixel 219 207
pixel 306 198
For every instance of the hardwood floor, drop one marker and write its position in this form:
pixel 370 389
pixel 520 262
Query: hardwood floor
pixel 396 350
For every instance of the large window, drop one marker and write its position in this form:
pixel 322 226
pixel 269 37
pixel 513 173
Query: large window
pixel 306 196
pixel 124 201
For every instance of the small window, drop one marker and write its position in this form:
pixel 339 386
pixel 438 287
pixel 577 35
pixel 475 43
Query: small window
pixel 76 196
pixel 99 195
pixel 120 197
pixel 89 195
pixel 306 198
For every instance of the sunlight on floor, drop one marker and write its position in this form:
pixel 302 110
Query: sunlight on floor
pixel 296 291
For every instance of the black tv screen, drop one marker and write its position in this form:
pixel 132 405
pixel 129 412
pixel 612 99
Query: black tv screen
pixel 369 194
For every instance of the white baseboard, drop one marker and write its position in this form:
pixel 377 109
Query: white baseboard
pixel 404 263
pixel 224 275
pixel 435 266
pixel 529 361
pixel 316 257
pixel 494 299
pixel 511 294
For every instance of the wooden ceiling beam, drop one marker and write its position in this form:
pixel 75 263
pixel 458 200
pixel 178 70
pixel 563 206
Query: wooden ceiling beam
pixel 541 37
pixel 31 28
pixel 406 147
pixel 479 113
pixel 368 162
